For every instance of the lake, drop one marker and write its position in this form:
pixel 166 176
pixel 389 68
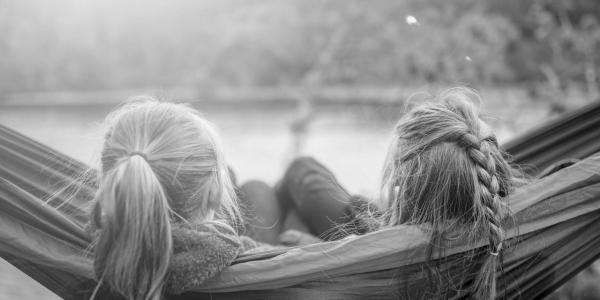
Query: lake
pixel 258 141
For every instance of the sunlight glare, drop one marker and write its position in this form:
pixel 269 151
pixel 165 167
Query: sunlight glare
pixel 411 20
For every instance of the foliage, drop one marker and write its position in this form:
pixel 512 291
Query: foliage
pixel 558 44
pixel 99 45
pixel 82 45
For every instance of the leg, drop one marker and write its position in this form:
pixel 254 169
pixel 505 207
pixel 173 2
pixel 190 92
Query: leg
pixel 263 215
pixel 312 191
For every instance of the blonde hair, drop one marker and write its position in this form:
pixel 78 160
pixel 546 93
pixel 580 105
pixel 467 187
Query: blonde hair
pixel 160 163
pixel 445 169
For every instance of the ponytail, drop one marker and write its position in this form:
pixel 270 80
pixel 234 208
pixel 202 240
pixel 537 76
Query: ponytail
pixel 160 161
pixel 134 245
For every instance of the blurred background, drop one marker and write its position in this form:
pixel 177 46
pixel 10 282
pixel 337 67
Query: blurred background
pixel 280 78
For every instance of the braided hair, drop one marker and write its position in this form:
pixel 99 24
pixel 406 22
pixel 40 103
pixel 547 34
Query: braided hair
pixel 445 170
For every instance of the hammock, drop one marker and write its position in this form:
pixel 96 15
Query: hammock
pixel 574 135
pixel 558 233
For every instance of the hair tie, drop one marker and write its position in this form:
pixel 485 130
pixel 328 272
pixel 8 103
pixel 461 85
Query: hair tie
pixel 141 154
pixel 498 248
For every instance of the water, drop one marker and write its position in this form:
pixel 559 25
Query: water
pixel 258 143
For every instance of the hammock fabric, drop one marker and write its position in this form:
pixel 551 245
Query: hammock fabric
pixel 574 135
pixel 558 234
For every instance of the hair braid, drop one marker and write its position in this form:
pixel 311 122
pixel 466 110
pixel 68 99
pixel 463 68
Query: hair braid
pixel 445 169
pixel 480 153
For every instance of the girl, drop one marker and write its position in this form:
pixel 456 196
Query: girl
pixel 444 172
pixel 445 169
pixel 164 202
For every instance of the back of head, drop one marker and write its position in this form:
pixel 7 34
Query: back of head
pixel 161 163
pixel 445 170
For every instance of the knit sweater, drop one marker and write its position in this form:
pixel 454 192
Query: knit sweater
pixel 202 251
pixel 199 253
